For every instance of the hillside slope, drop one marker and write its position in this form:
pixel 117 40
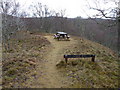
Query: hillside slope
pixel 77 73
pixel 20 61
pixel 103 73
pixel 51 71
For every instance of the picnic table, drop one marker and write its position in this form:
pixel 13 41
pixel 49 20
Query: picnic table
pixel 62 35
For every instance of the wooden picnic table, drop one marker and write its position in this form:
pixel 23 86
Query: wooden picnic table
pixel 63 35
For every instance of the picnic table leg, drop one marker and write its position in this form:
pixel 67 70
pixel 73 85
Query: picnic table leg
pixel 93 59
pixel 66 60
pixel 58 38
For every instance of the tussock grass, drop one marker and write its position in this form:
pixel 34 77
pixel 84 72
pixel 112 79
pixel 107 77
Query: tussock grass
pixel 103 73
pixel 21 60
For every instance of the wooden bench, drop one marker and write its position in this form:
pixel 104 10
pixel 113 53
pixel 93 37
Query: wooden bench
pixel 55 36
pixel 79 56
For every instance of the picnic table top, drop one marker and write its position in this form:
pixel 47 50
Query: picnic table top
pixel 61 33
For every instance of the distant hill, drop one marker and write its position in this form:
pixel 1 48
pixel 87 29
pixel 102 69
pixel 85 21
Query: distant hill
pixel 102 31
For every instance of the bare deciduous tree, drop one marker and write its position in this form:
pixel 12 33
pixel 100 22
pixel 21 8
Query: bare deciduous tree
pixel 108 9
pixel 37 10
pixel 10 22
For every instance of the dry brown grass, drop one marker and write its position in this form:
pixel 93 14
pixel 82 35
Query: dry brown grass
pixel 25 52
pixel 103 73
pixel 28 51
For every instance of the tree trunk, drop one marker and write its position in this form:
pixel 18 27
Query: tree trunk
pixel 119 33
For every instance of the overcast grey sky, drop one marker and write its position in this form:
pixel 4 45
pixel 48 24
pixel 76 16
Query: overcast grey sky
pixel 73 8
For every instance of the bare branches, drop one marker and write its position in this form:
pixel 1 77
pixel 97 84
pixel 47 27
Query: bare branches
pixel 103 13
pixel 9 7
pixel 10 20
pixel 5 6
pixel 104 8
pixel 40 10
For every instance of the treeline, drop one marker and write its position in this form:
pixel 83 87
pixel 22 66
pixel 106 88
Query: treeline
pixel 98 30
pixel 11 12
pixel 42 19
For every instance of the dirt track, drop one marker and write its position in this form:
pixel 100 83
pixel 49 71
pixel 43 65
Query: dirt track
pixel 49 76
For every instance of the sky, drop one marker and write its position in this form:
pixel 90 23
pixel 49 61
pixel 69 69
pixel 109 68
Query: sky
pixel 73 8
